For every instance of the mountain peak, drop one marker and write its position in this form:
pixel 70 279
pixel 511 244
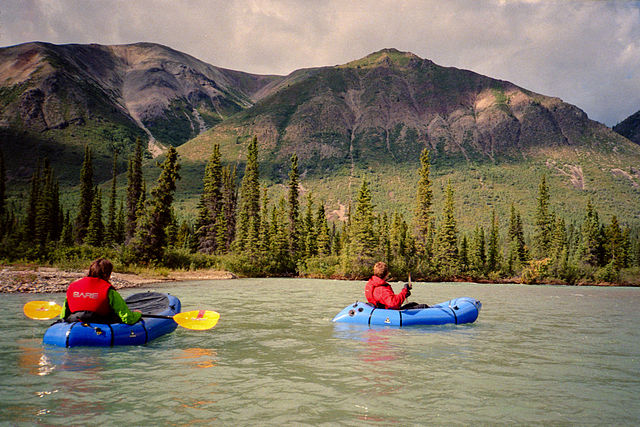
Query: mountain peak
pixel 384 57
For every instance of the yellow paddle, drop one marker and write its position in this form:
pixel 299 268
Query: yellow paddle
pixel 198 320
pixel 41 310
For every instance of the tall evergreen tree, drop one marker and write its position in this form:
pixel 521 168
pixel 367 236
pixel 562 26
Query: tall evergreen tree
pixel 295 243
pixel 249 204
pixel 478 257
pixel 3 196
pixel 543 221
pixel 66 236
pixel 615 244
pixel 264 239
pixel 310 231
pixel 110 235
pixel 229 208
pixel 324 236
pixel 47 222
pixel 150 240
pixel 32 204
pixel 210 203
pixel 493 250
pixel 590 242
pixel 423 213
pixel 517 249
pixel 120 225
pixel 95 229
pixel 464 253
pixel 447 248
pixel 86 196
pixel 135 185
pixel 359 247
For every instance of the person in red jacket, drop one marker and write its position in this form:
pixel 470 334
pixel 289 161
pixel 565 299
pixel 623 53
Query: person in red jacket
pixel 380 294
pixel 94 299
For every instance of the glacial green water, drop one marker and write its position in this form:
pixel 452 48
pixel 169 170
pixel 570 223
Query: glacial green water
pixel 537 355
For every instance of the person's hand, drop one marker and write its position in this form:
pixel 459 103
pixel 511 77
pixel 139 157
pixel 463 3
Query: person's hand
pixel 407 286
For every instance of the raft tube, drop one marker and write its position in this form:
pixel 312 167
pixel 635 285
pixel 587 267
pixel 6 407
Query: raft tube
pixel 75 334
pixel 457 311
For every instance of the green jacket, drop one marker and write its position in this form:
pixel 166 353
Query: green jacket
pixel 118 305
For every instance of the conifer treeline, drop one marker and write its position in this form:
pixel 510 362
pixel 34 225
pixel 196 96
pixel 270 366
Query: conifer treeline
pixel 241 229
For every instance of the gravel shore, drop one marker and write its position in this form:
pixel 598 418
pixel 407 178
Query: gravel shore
pixel 48 279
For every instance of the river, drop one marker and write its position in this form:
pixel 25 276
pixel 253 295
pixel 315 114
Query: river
pixel 545 355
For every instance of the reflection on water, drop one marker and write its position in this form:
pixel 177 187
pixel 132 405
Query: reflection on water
pixel 198 357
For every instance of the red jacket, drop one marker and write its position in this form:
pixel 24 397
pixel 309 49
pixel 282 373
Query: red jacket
pixel 89 294
pixel 380 294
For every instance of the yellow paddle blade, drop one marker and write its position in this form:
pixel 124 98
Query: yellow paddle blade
pixel 41 310
pixel 197 319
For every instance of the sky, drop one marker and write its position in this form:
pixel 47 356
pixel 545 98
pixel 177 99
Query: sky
pixel 585 52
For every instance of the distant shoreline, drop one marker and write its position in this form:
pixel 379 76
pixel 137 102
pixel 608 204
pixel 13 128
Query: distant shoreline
pixel 20 279
pixel 30 279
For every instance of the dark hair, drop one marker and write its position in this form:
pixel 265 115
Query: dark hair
pixel 101 268
pixel 380 269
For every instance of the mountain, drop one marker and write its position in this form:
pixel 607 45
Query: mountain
pixel 57 98
pixel 369 118
pixel 372 117
pixel 630 127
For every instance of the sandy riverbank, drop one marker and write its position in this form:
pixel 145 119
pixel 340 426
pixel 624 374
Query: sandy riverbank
pixel 48 279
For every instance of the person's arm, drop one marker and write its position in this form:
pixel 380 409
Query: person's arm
pixel 392 301
pixel 118 305
pixel 65 310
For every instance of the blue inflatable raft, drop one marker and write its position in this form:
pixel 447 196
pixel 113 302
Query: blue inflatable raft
pixel 108 335
pixel 456 311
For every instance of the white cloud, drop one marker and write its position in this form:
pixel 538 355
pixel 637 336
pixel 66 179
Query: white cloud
pixel 587 53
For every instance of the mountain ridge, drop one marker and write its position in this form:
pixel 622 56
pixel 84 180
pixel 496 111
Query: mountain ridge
pixel 368 118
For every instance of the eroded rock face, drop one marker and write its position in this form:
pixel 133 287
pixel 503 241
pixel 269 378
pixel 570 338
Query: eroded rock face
pixel 47 87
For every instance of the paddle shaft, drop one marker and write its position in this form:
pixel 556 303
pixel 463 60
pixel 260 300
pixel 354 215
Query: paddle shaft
pixel 157 316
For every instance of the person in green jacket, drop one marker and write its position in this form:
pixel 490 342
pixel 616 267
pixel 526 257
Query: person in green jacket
pixel 94 299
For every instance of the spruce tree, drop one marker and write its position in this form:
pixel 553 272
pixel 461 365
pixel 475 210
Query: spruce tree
pixel 324 236
pixel 32 204
pixel 249 204
pixel 135 184
pixel 518 249
pixel 110 231
pixel 447 248
pixel 95 229
pixel 120 225
pixel 478 257
pixel 210 203
pixel 229 207
pixel 615 244
pixel 264 239
pixel 493 249
pixel 295 244
pixel 3 195
pixel 86 196
pixel 150 240
pixel 590 242
pixel 423 214
pixel 464 253
pixel 66 236
pixel 310 231
pixel 362 241
pixel 543 221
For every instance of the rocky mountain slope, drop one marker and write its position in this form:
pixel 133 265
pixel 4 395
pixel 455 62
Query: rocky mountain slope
pixel 109 95
pixel 369 118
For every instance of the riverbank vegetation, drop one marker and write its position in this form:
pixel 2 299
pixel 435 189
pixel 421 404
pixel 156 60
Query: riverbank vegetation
pixel 240 228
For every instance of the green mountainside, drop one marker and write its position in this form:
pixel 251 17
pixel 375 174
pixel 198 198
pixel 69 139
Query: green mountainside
pixel 367 119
